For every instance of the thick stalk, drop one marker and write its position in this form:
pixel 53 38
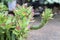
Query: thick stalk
pixel 8 35
pixel 2 36
pixel 13 36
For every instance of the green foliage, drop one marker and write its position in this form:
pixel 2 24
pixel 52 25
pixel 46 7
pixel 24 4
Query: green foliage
pixel 3 7
pixel 9 0
pixel 47 14
pixel 23 16
pixel 52 1
pixel 6 25
pixel 15 27
pixel 6 0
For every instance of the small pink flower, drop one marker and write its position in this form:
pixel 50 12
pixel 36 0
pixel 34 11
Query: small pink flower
pixel 32 10
pixel 28 26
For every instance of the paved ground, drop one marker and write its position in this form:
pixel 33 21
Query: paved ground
pixel 51 31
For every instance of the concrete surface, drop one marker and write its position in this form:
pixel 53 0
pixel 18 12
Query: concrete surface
pixel 51 31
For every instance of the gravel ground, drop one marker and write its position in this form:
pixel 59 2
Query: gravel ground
pixel 51 31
